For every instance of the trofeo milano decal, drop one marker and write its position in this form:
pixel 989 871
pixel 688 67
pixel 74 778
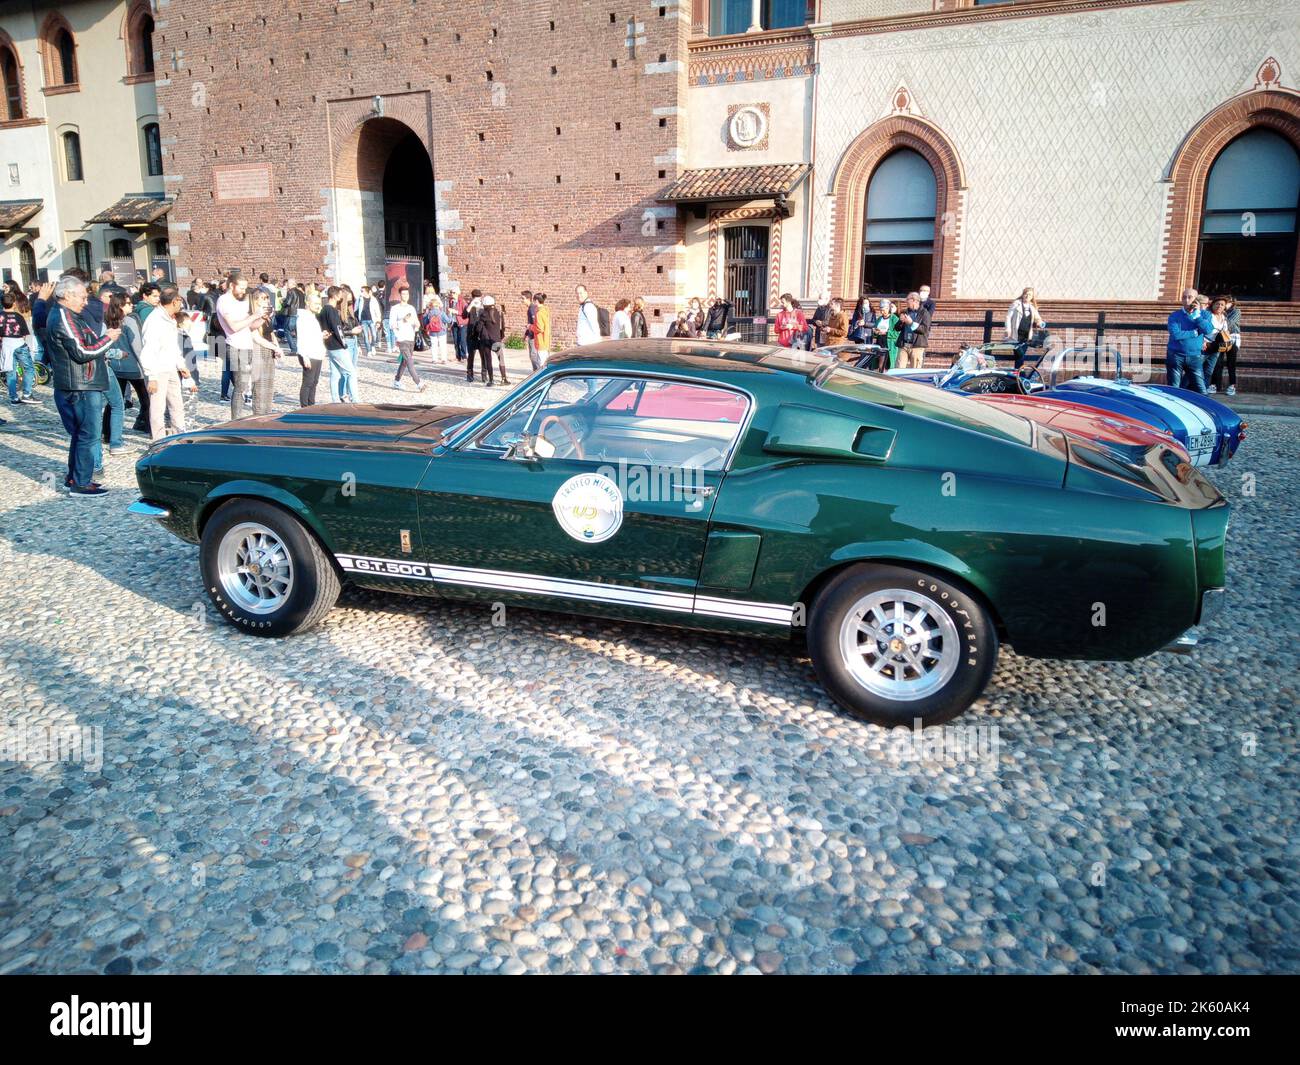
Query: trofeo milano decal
pixel 589 507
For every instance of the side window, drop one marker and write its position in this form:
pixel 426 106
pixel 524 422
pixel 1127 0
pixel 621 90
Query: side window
pixel 639 421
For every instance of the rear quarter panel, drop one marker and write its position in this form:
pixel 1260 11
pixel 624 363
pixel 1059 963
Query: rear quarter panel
pixel 1069 574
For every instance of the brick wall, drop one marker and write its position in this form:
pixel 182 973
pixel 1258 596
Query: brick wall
pixel 236 86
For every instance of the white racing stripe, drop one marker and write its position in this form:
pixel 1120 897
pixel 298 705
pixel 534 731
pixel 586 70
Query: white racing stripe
pixel 564 588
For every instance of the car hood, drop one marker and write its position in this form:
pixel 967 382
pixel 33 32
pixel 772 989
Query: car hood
pixel 368 425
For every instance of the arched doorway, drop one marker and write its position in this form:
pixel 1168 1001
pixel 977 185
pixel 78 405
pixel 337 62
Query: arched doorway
pixel 898 236
pixel 408 205
pixel 383 201
pixel 1248 224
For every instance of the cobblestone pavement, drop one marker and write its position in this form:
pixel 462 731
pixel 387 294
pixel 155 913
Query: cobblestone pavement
pixel 410 788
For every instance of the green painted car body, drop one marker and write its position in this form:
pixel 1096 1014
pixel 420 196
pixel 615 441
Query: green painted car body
pixel 1074 554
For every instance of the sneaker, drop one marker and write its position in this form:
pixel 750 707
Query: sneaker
pixel 1232 390
pixel 16 402
pixel 116 450
pixel 91 490
pixel 400 386
pixel 1212 390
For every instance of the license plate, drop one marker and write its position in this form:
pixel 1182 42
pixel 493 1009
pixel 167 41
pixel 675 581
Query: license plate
pixel 1201 445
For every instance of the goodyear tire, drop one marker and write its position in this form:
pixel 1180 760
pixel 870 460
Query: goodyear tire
pixel 892 645
pixel 264 571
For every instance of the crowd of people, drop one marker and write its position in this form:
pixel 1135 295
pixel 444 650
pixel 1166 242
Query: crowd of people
pixel 110 350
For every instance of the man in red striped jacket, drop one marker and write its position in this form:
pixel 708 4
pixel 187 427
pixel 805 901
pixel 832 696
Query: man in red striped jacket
pixel 80 379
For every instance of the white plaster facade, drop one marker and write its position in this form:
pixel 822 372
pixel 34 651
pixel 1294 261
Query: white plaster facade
pixel 788 106
pixel 1065 124
pixel 107 112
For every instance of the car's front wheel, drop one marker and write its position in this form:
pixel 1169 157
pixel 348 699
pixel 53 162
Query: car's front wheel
pixel 264 571
pixel 893 645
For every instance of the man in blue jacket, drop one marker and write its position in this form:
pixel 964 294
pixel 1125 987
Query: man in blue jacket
pixel 1185 355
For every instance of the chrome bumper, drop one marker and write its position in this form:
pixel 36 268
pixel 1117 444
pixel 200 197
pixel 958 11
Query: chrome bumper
pixel 1211 606
pixel 148 510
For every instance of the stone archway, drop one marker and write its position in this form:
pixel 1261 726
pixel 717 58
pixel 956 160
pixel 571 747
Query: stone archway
pixel 1275 109
pixel 849 189
pixel 371 134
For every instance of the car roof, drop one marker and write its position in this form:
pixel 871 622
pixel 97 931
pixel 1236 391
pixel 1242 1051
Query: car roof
pixel 717 358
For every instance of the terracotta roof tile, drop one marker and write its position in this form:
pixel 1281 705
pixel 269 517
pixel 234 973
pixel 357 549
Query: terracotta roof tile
pixel 16 213
pixel 736 182
pixel 133 211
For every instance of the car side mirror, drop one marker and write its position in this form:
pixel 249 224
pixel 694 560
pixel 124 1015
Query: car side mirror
pixel 521 449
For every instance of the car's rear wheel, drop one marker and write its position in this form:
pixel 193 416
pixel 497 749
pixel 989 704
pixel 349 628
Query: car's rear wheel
pixel 892 645
pixel 264 571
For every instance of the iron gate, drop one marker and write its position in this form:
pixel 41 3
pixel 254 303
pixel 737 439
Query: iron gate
pixel 745 254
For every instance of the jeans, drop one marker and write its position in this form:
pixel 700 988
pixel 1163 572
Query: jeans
pixel 368 335
pixel 392 338
pixel 1229 360
pixel 23 359
pixel 340 373
pixel 532 354
pixel 461 341
pixel 81 413
pixel 237 377
pixel 114 412
pixel 142 403
pixel 1183 370
pixel 350 393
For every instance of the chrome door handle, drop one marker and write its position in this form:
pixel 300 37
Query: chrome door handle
pixel 704 490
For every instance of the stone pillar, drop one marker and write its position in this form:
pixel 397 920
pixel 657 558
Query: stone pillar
pixel 756 18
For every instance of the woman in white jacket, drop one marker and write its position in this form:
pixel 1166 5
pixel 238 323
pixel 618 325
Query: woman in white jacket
pixel 311 348
pixel 1022 319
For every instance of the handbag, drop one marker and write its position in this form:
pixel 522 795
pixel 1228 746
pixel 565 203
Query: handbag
pixel 421 342
pixel 125 365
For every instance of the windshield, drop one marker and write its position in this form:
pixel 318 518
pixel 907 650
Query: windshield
pixel 926 401
pixel 970 361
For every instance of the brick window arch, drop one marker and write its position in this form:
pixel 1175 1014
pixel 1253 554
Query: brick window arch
pixel 137 32
pixel 58 47
pixel 849 189
pixel 14 106
pixel 1189 171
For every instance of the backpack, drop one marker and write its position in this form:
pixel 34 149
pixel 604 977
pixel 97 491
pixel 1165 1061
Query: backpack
pixel 602 320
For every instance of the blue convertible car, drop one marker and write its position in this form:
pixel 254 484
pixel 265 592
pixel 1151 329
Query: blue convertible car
pixel 1210 431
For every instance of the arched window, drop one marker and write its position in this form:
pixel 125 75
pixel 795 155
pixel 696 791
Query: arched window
pixel 72 157
pixel 898 237
pixel 1248 225
pixel 119 248
pixel 138 33
pixel 152 150
pixel 27 263
pixel 144 41
pixel 58 52
pixel 67 57
pixel 12 82
pixel 81 252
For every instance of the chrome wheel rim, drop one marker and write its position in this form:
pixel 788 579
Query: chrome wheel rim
pixel 899 644
pixel 255 568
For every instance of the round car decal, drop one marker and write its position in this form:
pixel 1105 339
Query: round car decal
pixel 589 507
